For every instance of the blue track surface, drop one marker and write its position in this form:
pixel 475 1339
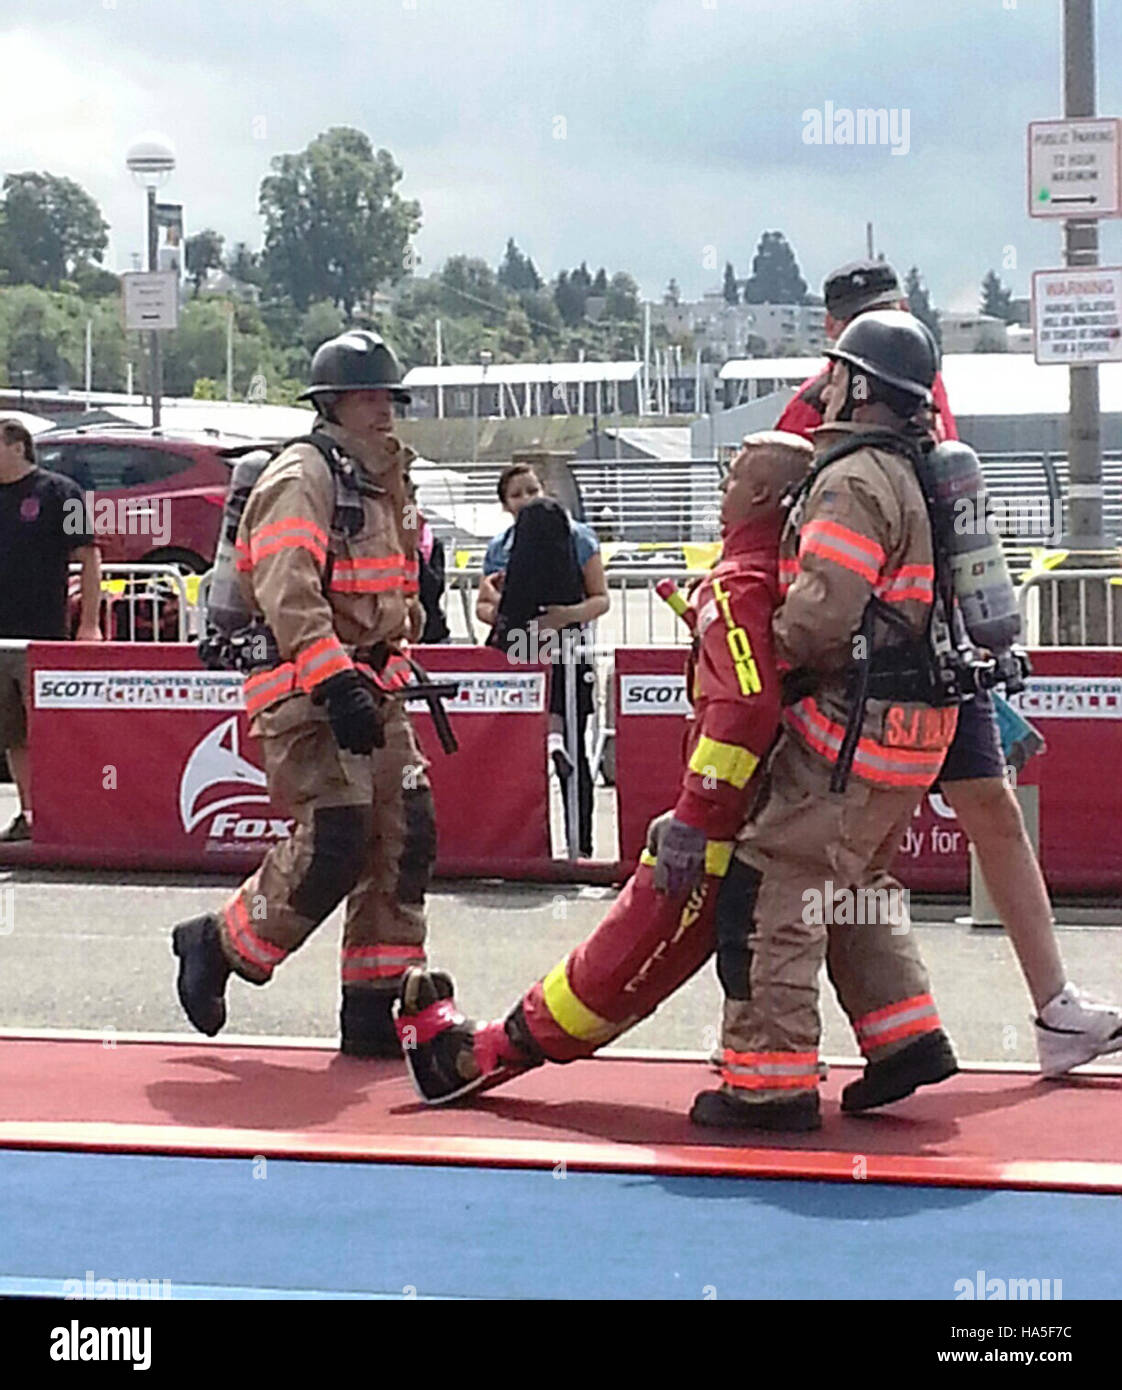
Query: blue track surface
pixel 213 1228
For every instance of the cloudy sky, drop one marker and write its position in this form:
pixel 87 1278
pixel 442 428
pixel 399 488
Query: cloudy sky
pixel 658 136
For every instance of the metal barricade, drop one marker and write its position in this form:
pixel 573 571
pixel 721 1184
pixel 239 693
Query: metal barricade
pixel 1048 631
pixel 144 595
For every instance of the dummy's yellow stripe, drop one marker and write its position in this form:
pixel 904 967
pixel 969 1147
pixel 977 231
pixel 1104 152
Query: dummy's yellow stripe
pixel 569 1013
pixel 718 856
pixel 726 761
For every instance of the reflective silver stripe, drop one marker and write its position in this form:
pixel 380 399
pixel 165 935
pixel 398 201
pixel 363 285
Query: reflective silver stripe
pixel 306 668
pixel 773 1069
pixel 884 1025
pixel 382 957
pixel 815 545
pixel 906 581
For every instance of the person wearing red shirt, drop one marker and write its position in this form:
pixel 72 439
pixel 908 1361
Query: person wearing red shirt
pixel 661 929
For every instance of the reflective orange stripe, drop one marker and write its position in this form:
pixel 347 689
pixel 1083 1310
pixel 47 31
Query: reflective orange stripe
pixel 320 661
pixel 908 582
pixel 385 585
pixel 290 533
pixel 378 962
pixel 291 523
pixel 372 562
pixel 253 949
pixel 842 546
pixel 873 761
pixel 748 1059
pixel 262 689
pixel 906 1019
pixel 770 1071
pixel 273 547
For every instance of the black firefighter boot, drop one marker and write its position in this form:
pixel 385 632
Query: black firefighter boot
pixel 930 1058
pixel 724 1109
pixel 203 972
pixel 366 1027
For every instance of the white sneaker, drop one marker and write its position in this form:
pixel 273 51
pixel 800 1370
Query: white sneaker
pixel 1074 1028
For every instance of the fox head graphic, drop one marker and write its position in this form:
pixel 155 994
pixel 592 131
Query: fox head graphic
pixel 216 761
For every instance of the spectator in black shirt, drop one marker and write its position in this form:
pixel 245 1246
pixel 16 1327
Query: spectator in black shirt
pixel 43 525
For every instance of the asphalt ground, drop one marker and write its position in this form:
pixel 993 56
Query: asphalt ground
pixel 90 952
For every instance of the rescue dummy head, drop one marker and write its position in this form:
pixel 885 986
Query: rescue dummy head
pixel 768 466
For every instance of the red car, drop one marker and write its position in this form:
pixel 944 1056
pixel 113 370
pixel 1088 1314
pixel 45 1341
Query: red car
pixel 150 497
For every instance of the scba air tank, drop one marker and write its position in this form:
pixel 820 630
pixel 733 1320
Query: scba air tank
pixel 986 597
pixel 226 608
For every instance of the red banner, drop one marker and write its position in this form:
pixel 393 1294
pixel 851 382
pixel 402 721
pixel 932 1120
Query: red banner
pixel 140 758
pixel 1074 698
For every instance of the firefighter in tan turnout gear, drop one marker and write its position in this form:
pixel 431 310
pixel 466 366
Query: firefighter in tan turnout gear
pixel 326 559
pixel 865 731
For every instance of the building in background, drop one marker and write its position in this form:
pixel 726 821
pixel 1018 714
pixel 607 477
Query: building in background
pixel 721 330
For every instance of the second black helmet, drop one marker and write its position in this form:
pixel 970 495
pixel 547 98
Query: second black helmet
pixel 891 346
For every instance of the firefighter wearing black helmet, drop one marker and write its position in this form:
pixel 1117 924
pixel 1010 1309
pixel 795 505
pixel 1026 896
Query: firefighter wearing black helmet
pixel 857 575
pixel 327 559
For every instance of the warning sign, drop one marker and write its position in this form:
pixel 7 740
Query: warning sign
pixel 1077 315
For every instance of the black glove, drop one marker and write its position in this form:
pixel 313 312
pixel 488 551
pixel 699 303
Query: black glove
pixel 796 685
pixel 354 712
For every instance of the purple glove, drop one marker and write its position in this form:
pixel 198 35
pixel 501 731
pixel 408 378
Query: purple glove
pixel 681 858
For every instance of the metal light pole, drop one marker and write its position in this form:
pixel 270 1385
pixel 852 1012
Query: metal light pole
pixel 151 161
pixel 1081 248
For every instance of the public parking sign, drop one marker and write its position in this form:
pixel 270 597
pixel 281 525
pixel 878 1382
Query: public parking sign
pixel 151 299
pixel 1077 315
pixel 1074 168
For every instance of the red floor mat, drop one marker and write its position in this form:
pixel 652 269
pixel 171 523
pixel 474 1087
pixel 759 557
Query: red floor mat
pixel 981 1128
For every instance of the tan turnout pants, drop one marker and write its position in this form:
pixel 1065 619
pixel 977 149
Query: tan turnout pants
pixel 365 831
pixel 826 894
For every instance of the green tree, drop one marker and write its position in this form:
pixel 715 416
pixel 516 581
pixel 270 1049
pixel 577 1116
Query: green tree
pixel 731 291
pixel 996 299
pixel 516 340
pixel 202 252
pixel 320 321
pixel 335 226
pixel 95 283
pixel 518 272
pixel 468 284
pixel 49 227
pixel 919 302
pixel 197 348
pixel 40 341
pixel 569 300
pixel 673 294
pixel 600 284
pixel 244 265
pixel 775 277
pixel 623 297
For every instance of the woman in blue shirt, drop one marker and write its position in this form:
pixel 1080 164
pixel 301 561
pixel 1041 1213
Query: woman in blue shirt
pixel 579 560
